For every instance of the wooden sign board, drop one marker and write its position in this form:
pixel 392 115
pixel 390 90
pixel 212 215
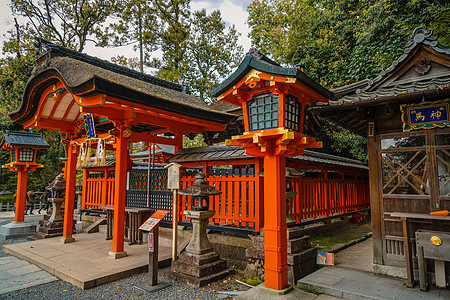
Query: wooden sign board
pixel 173 176
pixel 426 115
pixel 153 220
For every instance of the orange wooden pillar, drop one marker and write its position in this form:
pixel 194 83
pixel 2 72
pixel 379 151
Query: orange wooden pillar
pixel 275 246
pixel 21 196
pixel 119 196
pixel 71 172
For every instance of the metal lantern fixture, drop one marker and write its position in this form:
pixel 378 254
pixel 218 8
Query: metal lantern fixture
pixel 23 147
pixel 273 101
pixel 200 192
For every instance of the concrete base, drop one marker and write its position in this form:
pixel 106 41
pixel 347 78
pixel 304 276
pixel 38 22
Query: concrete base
pixel 67 240
pixel 117 255
pixel 15 230
pixel 261 293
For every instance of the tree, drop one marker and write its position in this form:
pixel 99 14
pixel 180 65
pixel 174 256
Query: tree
pixel 137 24
pixel 173 31
pixel 341 41
pixel 68 22
pixel 212 53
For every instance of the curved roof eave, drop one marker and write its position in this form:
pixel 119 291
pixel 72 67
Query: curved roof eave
pixel 266 66
pixel 95 84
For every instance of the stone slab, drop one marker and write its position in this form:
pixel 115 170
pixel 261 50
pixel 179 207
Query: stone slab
pixel 182 267
pixel 199 282
pixel 85 262
pixel 14 230
pixel 260 292
pixel 355 284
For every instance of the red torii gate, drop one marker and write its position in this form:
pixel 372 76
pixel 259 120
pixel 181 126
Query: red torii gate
pixel 126 106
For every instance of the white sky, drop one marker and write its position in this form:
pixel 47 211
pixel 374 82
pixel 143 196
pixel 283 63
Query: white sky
pixel 233 12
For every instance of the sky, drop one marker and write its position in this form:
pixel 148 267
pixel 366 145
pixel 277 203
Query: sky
pixel 233 12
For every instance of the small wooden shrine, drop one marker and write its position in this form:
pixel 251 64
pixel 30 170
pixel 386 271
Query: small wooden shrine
pixel 404 113
pixel 97 104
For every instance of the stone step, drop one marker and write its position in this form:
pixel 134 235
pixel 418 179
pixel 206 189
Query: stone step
pixel 182 267
pixel 199 282
pixel 298 244
pixel 300 257
pixel 41 235
pixel 294 232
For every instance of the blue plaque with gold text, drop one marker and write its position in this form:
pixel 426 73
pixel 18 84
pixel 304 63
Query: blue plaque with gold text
pixel 427 115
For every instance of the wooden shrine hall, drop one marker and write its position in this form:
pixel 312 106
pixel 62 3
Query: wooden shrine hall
pixel 97 104
pixel 404 113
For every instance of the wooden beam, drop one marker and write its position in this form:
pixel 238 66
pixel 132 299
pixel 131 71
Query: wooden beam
pixel 145 137
pixel 54 125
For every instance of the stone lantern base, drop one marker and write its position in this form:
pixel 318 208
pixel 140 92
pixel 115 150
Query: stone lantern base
pixel 53 223
pixel 199 264
pixel 15 230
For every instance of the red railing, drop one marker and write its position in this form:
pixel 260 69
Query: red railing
pixel 240 203
pixel 98 187
pixel 325 197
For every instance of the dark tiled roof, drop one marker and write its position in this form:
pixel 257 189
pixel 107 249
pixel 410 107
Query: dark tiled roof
pixel 224 153
pixel 410 79
pixel 164 149
pixel 255 60
pixel 23 138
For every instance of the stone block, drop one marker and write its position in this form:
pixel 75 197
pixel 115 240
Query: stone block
pixel 258 242
pixel 294 232
pixel 298 244
pixel 298 258
pixel 14 230
pixel 199 282
pixel 254 253
pixel 198 260
pixel 199 271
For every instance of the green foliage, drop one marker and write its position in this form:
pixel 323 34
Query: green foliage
pixel 212 53
pixel 68 22
pixel 342 41
pixel 198 141
pixel 7 199
pixel 253 281
pixel 173 32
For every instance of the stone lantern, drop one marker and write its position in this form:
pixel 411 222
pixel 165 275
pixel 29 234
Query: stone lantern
pixel 53 226
pixel 199 264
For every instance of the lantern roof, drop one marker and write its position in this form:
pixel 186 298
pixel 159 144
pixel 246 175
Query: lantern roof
pixel 254 60
pixel 200 188
pixel 25 139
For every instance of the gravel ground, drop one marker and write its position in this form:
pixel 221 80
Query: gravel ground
pixel 123 288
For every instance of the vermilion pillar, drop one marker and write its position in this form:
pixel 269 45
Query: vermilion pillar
pixel 21 196
pixel 119 196
pixel 69 202
pixel 275 246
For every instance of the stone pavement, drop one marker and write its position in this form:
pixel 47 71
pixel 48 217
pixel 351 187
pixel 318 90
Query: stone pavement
pixel 16 274
pixel 85 263
pixel 352 278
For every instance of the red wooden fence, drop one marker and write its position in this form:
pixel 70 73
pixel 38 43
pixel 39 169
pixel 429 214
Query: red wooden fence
pixel 98 187
pixel 325 197
pixel 240 203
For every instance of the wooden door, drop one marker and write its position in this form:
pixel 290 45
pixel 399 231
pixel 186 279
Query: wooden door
pixel 413 170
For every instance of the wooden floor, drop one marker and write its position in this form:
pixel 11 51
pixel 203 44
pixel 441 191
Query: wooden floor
pixel 85 262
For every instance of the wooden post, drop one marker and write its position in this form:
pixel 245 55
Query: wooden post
pixel 175 225
pixel 408 253
pixel 19 215
pixel 69 203
pixel 119 196
pixel 275 244
pixel 153 258
pixel 84 187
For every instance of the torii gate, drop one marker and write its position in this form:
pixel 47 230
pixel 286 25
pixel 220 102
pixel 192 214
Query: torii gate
pixel 126 106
